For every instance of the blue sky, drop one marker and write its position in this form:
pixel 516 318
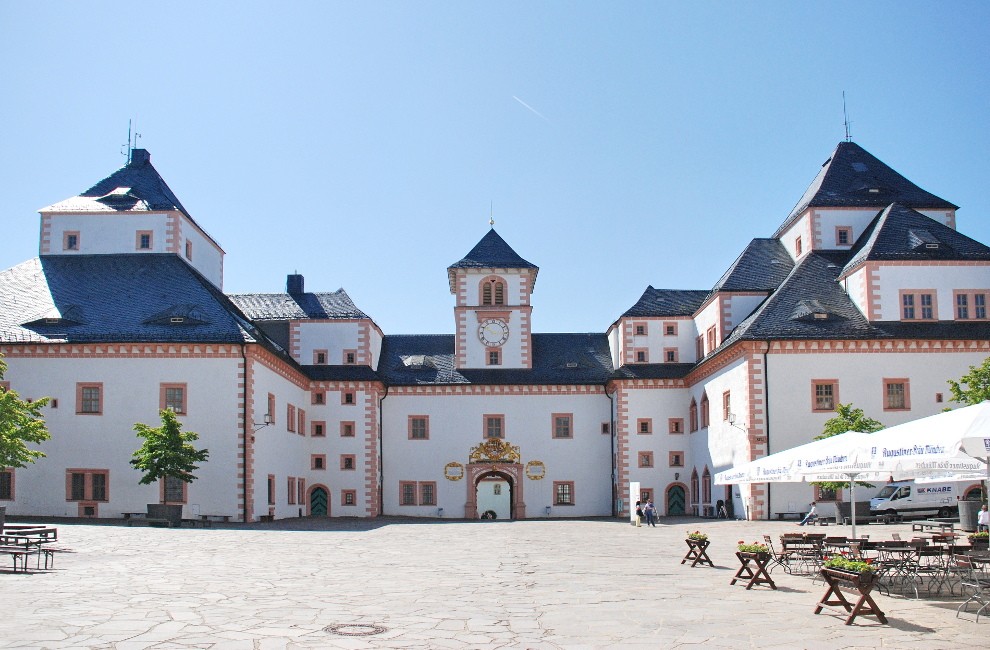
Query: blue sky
pixel 361 144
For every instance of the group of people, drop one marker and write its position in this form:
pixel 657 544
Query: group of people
pixel 649 511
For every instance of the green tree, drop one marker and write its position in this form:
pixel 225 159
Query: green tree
pixel 847 419
pixel 21 423
pixel 167 451
pixel 974 387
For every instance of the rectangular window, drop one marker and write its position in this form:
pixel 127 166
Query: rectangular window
pixel 699 347
pixel 301 491
pixel 143 240
pixel 301 426
pixel 318 429
pixel 825 393
pixel 711 338
pixel 172 396
pixel 639 329
pixel 347 398
pixel 896 395
pixel 562 425
pixel 798 249
pixel 705 421
pixel 971 305
pixel 290 491
pixel 174 490
pixel 918 305
pixel 290 417
pixel 644 425
pixel 843 236
pixel 419 427
pixel 675 425
pixel 346 429
pixel 89 399
pixel 271 489
pixel 563 493
pixel 670 355
pixel 494 357
pixel 494 426
pixel 70 240
pixel 347 461
pixel 670 329
pixel 645 495
pixel 407 493
pixel 606 428
pixel 87 485
pixel 646 459
pixel 677 459
pixel 319 357
pixel 318 461
pixel 350 357
pixel 271 408
pixel 348 497
pixel 642 356
pixel 726 405
pixel 188 250
pixel 319 397
pixel 6 485
pixel 427 493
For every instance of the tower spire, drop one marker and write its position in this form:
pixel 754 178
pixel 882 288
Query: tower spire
pixel 491 214
pixel 845 116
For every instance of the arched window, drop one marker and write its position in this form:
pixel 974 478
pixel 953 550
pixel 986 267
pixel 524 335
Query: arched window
pixel 704 411
pixel 706 486
pixel 492 291
pixel 694 415
pixel 694 486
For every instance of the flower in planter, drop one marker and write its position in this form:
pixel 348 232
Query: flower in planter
pixel 852 566
pixel 697 536
pixel 981 536
pixel 755 547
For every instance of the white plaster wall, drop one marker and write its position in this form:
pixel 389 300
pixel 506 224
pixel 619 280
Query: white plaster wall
pixel 105 233
pixel 660 405
pixel 741 308
pixel 945 217
pixel 830 219
pixel 456 426
pixel 615 344
pixel 334 337
pixel 515 293
pixel 710 315
pixel 942 278
pixel 477 352
pixel 376 338
pixel 800 228
pixel 656 341
pixel 207 258
pixel 855 287
pixel 131 394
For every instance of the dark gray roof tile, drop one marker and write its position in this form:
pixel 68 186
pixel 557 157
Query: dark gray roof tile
pixel 666 303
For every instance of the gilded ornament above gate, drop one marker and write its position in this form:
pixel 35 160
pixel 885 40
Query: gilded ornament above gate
pixel 494 450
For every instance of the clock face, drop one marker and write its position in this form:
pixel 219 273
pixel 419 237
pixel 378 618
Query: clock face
pixel 493 332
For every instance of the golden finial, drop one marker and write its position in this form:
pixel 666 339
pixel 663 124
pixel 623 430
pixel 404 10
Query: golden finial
pixel 491 214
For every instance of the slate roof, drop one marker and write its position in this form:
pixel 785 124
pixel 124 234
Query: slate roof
pixel 297 306
pixel 899 233
pixel 116 298
pixel 492 253
pixel 557 359
pixel 341 373
pixel 653 371
pixel 847 178
pixel 137 186
pixel 762 266
pixel 666 302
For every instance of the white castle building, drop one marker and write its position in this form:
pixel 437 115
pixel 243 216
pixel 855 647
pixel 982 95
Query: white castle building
pixel 866 293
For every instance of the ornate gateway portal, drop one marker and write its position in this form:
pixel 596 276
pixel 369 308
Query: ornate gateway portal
pixel 495 458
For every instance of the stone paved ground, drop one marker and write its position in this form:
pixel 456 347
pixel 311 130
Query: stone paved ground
pixel 431 584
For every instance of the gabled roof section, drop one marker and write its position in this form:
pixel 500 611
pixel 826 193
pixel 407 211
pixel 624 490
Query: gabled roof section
pixel 762 266
pixel 298 306
pixel 666 302
pixel 899 233
pixel 128 298
pixel 137 186
pixel 557 359
pixel 853 177
pixel 492 253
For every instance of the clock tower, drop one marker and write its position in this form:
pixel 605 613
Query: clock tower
pixel 492 286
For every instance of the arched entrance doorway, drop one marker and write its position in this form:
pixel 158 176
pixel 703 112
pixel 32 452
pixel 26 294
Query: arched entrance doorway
pixel 494 496
pixel 480 478
pixel 675 500
pixel 319 501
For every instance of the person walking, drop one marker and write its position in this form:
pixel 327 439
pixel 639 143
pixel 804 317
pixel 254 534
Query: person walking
pixel 651 514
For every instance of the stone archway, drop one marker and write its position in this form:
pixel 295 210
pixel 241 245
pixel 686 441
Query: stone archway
pixel 676 499
pixel 511 472
pixel 319 501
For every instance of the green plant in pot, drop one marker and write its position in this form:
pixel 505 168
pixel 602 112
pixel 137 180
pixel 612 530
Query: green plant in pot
pixel 848 565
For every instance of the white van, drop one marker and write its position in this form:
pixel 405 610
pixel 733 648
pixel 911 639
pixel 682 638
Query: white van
pixel 907 499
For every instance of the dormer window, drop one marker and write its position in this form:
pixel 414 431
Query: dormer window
pixel 143 240
pixel 70 241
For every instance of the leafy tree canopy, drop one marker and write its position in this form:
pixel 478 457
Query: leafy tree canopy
pixel 847 419
pixel 167 451
pixel 974 387
pixel 21 423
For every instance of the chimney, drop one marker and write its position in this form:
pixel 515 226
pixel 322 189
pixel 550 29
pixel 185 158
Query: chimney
pixel 140 157
pixel 294 283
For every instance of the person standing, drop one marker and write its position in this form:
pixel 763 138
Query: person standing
pixel 639 514
pixel 811 516
pixel 983 520
pixel 651 514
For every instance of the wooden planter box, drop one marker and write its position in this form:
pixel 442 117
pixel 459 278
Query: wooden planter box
pixel 857 584
pixel 697 552
pixel 748 562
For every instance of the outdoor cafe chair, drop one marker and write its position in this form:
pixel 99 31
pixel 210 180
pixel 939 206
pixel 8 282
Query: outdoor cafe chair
pixel 975 581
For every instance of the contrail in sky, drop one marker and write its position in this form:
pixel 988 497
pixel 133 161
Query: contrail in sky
pixel 531 108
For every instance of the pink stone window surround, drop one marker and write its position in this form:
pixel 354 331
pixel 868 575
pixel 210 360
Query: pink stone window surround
pixel 418 427
pixel 427 493
pixel 173 396
pixel 318 429
pixel 798 247
pixel 318 461
pixel 349 357
pixel 348 462
pixel 918 304
pixel 494 357
pixel 670 355
pixel 271 407
pixel 970 304
pixel 89 398
pixel 843 236
pixel 189 252
pixel 271 489
pixel 726 405
pixel 290 418
pixel 348 497
pixel 646 459
pixel 407 493
pixel 144 240
pixel 670 329
pixel 348 398
pixel 693 415
pixel 491 291
pixel 290 491
pixel 563 493
pixel 896 394
pixel 87 484
pixel 705 421
pixel 319 397
pixel 676 459
pixel 641 355
pixel 493 425
pixel 675 425
pixel 824 395
pixel 640 328
pixel 71 240
pixel 301 425
pixel 644 426
pixel 562 425
pixel 320 357
pixel 347 429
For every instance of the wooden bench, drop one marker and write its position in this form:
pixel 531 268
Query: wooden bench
pixel 16 553
pixel 790 515
pixel 151 521
pixel 134 515
pixel 223 518
pixel 205 523
pixel 943 526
